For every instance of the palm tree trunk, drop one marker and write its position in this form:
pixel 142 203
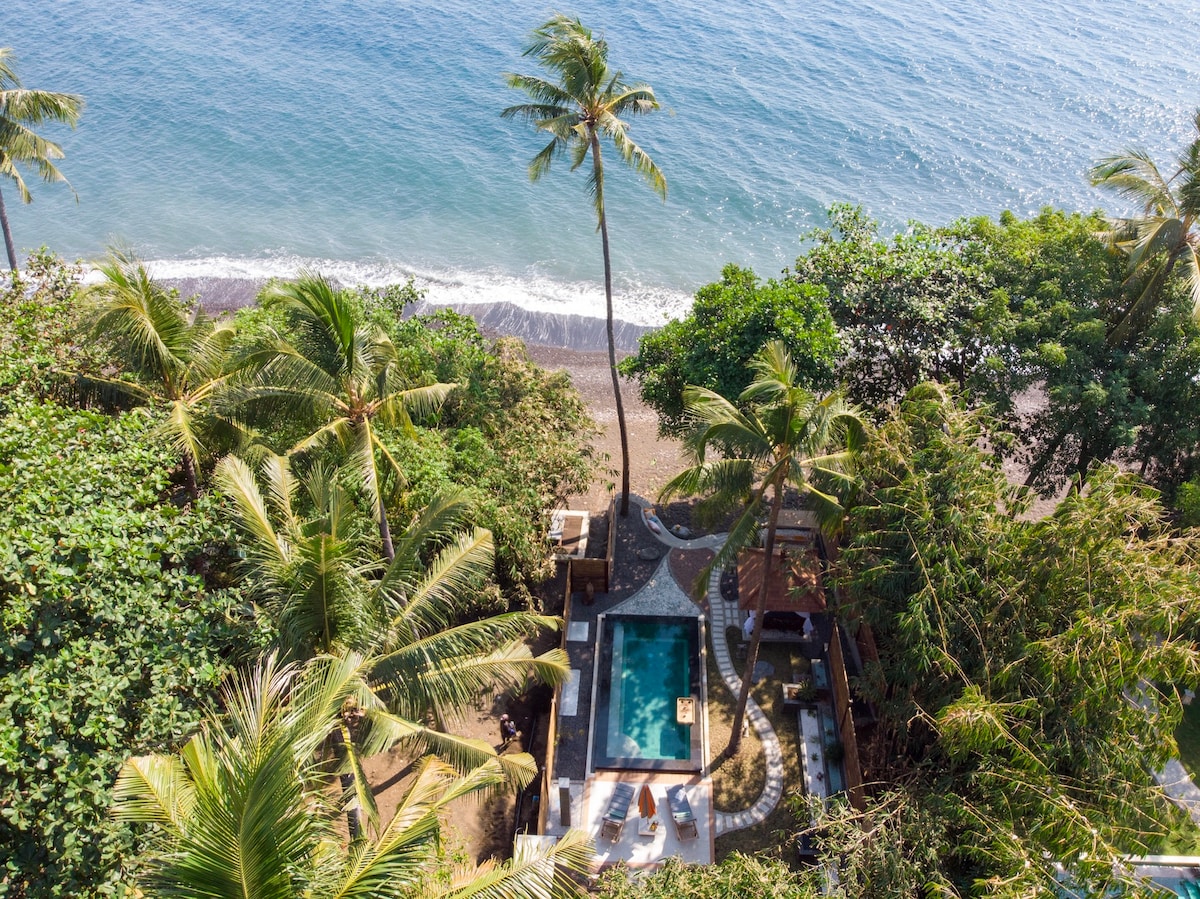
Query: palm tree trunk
pixel 598 169
pixel 340 738
pixel 385 530
pixel 190 480
pixel 8 241
pixel 760 613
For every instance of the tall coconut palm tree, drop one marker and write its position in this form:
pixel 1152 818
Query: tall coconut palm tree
pixel 1165 238
pixel 582 106
pixel 21 111
pixel 326 594
pixel 244 808
pixel 787 438
pixel 180 359
pixel 342 377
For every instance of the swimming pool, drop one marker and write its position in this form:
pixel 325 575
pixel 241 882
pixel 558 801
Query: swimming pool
pixel 645 665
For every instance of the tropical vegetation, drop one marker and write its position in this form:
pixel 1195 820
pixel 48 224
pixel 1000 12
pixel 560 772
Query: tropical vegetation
pixel 22 110
pixel 1014 314
pixel 245 808
pixel 583 105
pixel 750 877
pixel 201 648
pixel 1162 241
pixel 713 344
pixel 118 606
pixel 341 377
pixel 128 601
pixel 1025 686
pixel 171 355
pixel 314 575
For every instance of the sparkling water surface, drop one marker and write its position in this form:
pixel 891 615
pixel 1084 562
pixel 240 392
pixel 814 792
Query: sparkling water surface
pixel 247 138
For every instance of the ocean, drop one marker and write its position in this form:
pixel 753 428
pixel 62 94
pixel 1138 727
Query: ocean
pixel 248 139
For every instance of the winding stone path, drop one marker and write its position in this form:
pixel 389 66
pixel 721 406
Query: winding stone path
pixel 721 616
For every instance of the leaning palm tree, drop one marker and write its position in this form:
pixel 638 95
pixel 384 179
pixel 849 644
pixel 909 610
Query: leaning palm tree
pixel 1165 238
pixel 245 809
pixel 179 359
pixel 585 103
pixel 22 110
pixel 325 593
pixel 342 377
pixel 786 438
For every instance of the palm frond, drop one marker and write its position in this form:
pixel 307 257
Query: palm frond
pixel 460 754
pixel 532 871
pixel 236 480
pixel 550 101
pixel 1133 175
pixel 288 384
pixel 325 320
pixel 281 488
pixel 362 797
pixel 586 100
pixel 401 407
pixel 450 670
pixel 1154 236
pixel 143 320
pixel 154 789
pixel 441 520
pixel 635 157
pixel 250 822
pixel 427 599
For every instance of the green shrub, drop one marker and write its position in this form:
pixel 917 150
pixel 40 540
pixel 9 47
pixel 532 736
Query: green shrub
pixel 115 625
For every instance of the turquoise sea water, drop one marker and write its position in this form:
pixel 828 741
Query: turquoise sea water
pixel 249 138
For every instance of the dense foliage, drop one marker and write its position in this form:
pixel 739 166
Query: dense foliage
pixel 114 616
pixel 742 876
pixel 113 634
pixel 729 322
pixel 244 809
pixel 170 356
pixel 516 438
pixel 1132 401
pixel 907 310
pixel 1024 688
pixel 38 315
pixel 117 593
pixel 1016 315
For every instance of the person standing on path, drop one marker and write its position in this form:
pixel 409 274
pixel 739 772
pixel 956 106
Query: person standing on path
pixel 508 729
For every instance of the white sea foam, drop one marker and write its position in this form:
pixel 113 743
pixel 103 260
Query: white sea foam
pixel 636 303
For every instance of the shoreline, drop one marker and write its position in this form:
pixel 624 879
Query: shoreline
pixel 555 341
pixel 566 330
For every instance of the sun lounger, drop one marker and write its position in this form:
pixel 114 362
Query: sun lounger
pixel 682 814
pixel 618 808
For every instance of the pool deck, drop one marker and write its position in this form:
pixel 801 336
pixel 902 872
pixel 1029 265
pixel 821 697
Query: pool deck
pixel 632 847
pixel 647 588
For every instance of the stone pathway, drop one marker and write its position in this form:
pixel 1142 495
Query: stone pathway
pixel 722 615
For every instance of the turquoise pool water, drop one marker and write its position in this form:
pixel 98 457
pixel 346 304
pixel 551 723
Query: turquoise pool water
pixel 646 664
